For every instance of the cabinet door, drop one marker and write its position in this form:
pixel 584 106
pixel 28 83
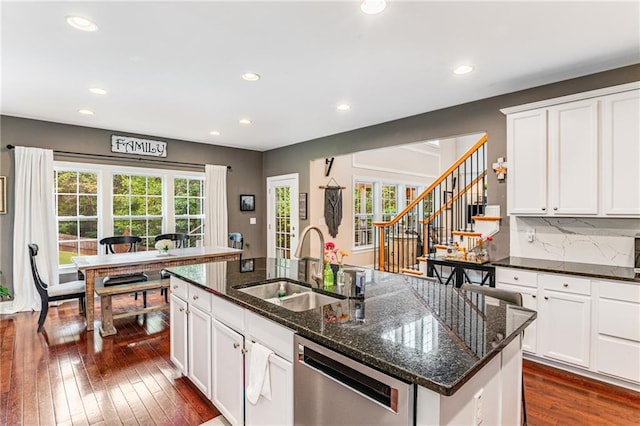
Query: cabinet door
pixel 178 333
pixel 278 410
pixel 565 320
pixel 228 380
pixel 529 301
pixel 200 349
pixel 573 158
pixel 527 157
pixel 621 153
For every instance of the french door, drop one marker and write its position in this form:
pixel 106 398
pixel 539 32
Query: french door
pixel 282 215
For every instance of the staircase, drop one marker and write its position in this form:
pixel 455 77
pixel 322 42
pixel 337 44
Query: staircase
pixel 452 210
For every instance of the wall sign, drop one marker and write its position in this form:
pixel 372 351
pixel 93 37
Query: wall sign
pixel 128 145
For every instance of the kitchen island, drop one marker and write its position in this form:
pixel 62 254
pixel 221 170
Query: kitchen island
pixel 459 351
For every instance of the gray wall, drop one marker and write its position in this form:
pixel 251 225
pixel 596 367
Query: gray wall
pixel 245 176
pixel 482 115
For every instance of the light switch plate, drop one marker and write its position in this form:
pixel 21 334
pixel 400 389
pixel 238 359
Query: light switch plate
pixel 252 221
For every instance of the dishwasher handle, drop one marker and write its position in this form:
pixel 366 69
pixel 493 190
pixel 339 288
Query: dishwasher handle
pixel 345 375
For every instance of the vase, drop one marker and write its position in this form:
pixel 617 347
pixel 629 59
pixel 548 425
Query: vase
pixel 327 277
pixel 163 252
pixel 340 276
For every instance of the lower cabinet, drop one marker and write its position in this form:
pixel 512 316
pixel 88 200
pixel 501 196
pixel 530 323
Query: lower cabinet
pixel 529 301
pixel 178 333
pixel 228 362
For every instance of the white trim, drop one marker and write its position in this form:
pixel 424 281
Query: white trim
pixel 392 170
pixel 570 98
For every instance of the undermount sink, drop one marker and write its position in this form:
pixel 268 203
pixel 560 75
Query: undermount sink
pixel 297 297
pixel 270 290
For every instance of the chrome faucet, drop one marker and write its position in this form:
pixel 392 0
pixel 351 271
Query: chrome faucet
pixel 317 275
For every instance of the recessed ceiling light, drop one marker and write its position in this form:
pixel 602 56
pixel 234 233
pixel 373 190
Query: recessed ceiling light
pixel 250 76
pixel 82 23
pixel 463 69
pixel 343 107
pixel 371 7
pixel 214 133
pixel 244 121
pixel 85 111
pixel 97 91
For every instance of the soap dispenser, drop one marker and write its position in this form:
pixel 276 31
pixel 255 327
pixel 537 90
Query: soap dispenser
pixel 282 292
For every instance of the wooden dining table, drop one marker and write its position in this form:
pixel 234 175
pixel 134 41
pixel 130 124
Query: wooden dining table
pixel 103 265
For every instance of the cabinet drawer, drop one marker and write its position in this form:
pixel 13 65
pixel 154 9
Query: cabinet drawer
pixel 566 284
pixel 618 358
pixel 229 313
pixel 270 334
pixel 200 298
pixel 619 319
pixel 516 277
pixel 616 290
pixel 178 287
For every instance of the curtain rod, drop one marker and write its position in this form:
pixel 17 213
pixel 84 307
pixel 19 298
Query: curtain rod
pixel 82 154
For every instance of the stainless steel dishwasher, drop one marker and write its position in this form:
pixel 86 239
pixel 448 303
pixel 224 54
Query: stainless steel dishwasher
pixel 331 389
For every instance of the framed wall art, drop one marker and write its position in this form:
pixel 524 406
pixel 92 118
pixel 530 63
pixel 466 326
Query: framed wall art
pixel 247 203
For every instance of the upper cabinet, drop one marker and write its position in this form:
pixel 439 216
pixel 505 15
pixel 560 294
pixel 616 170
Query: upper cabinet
pixel 576 156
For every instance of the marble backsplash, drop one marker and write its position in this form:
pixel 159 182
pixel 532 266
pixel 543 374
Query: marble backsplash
pixel 601 241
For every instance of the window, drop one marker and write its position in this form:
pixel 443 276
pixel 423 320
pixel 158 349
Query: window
pixel 76 198
pixel 189 207
pixel 389 202
pixel 96 201
pixel 363 214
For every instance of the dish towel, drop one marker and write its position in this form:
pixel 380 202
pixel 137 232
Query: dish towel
pixel 259 377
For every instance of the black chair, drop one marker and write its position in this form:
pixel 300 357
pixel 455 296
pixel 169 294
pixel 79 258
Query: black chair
pixel 236 239
pixel 65 291
pixel 508 297
pixel 130 243
pixel 180 240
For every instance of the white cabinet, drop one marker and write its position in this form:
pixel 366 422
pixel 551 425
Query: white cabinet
pixel 228 361
pixel 529 301
pixel 621 153
pixel 190 333
pixel 279 409
pixel 178 333
pixel 618 330
pixel 576 156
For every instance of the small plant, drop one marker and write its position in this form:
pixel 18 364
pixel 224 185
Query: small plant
pixel 4 292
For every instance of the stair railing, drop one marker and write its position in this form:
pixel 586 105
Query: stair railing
pixel 428 222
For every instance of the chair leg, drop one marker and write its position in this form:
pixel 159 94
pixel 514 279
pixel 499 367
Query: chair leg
pixel 43 315
pixel 83 306
pixel 165 292
pixel 524 405
pixel 144 299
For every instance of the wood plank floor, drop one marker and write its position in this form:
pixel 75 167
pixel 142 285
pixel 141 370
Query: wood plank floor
pixel 67 376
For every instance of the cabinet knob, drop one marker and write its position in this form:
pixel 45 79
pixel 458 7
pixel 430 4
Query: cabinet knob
pixel 533 295
pixel 181 309
pixel 188 311
pixel 555 208
pixel 565 285
pixel 546 298
pixel 544 209
pixel 195 297
pixel 244 351
pixel 175 286
pixel 236 345
pixel 515 278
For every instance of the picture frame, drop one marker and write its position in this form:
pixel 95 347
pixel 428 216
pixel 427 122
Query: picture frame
pixel 302 205
pixel 247 265
pixel 247 203
pixel 3 195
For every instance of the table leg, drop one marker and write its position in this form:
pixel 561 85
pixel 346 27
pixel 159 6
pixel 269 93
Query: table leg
pixel 107 328
pixel 90 277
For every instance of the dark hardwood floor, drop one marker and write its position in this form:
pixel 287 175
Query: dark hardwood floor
pixel 68 376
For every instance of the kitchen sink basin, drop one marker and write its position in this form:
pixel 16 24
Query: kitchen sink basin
pixel 304 301
pixel 270 290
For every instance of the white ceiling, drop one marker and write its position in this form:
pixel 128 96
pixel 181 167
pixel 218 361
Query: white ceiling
pixel 172 69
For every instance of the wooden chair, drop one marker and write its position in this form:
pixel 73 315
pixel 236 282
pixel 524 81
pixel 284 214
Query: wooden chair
pixel 65 291
pixel 508 297
pixel 130 243
pixel 180 240
pixel 237 241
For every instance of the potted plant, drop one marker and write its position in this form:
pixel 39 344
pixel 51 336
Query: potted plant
pixel 4 292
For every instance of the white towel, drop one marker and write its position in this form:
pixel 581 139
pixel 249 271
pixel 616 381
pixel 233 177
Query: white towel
pixel 259 383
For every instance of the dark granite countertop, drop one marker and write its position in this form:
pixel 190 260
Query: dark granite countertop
pixel 571 268
pixel 413 328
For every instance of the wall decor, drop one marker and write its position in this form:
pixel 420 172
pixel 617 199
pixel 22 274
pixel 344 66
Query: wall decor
pixel 448 199
pixel 129 145
pixel 302 214
pixel 247 203
pixel 247 265
pixel 3 195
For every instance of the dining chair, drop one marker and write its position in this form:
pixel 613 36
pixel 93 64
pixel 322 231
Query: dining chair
pixel 180 240
pixel 64 291
pixel 237 241
pixel 511 297
pixel 129 244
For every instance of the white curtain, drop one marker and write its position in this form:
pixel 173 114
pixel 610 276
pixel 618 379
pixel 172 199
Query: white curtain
pixel 215 208
pixel 34 222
